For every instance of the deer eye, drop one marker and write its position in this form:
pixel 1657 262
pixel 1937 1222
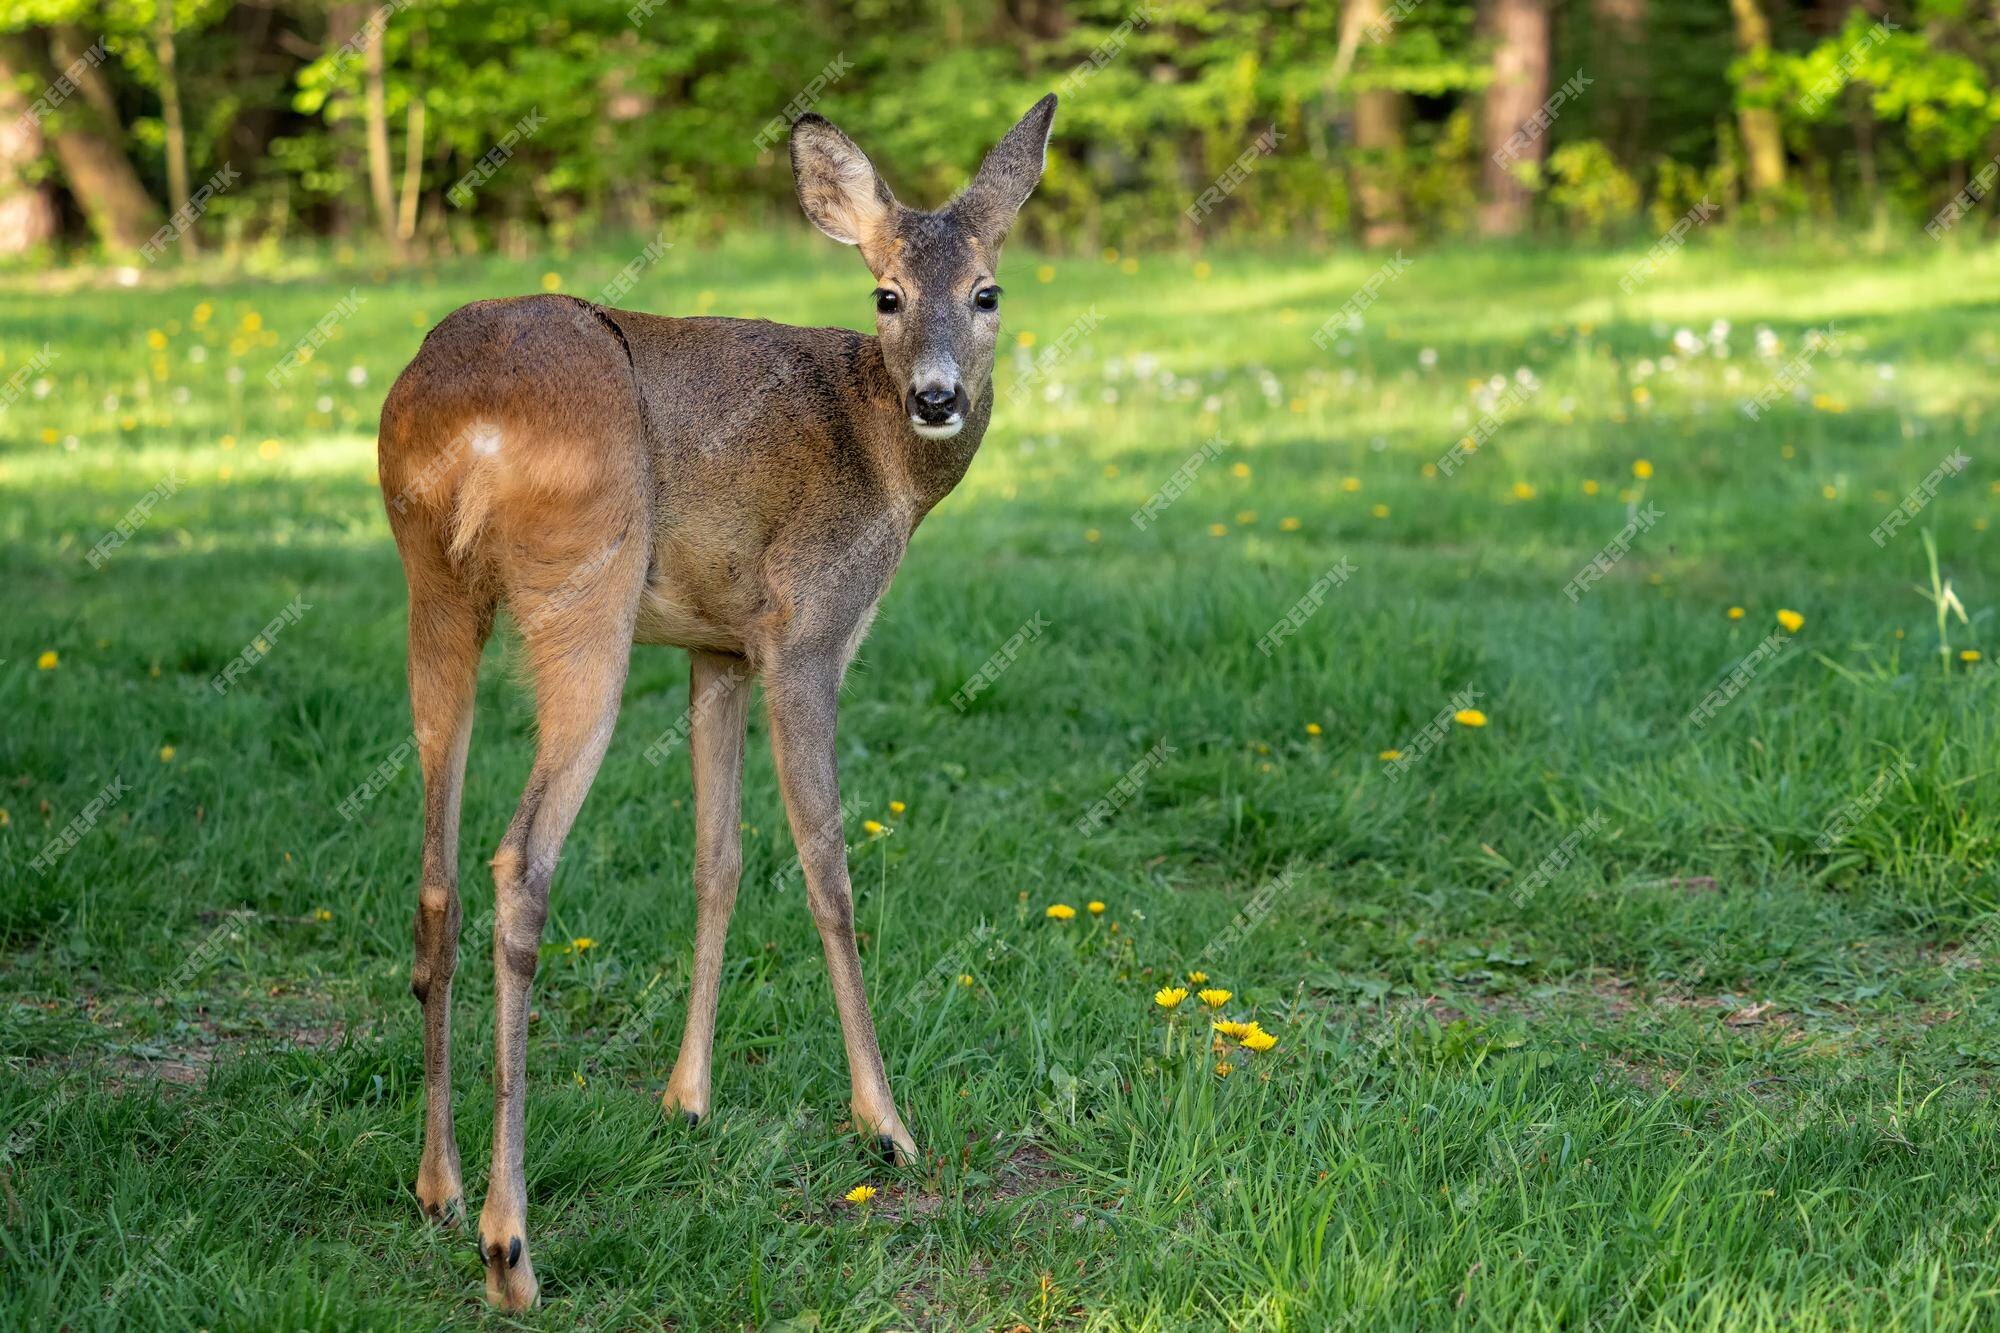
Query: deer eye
pixel 987 298
pixel 887 302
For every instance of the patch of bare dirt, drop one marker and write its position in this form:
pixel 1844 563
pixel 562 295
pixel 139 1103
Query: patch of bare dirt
pixel 1026 1172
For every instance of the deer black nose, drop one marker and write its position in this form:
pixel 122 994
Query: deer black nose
pixel 933 406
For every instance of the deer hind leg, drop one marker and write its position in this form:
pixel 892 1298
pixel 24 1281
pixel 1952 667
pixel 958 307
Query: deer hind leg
pixel 803 698
pixel 448 628
pixel 718 704
pixel 579 642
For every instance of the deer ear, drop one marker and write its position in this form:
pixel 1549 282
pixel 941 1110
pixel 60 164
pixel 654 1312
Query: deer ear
pixel 1008 175
pixel 838 186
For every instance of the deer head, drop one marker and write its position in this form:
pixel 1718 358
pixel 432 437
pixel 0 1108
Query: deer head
pixel 937 306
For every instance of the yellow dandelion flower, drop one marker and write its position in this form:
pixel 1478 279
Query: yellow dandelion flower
pixel 1590 487
pixel 1129 266
pixel 551 281
pixel 1314 729
pixel 1380 511
pixel 1830 491
pixel 1094 907
pixel 5 819
pixel 1523 491
pixel 1259 1040
pixel 1169 997
pixel 155 339
pixel 1289 524
pixel 1245 517
pixel 1218 529
pixel 581 1081
pixel 1046 273
pixel 1092 535
pixel 1223 1069
pixel 1060 912
pixel 1197 977
pixel 1350 484
pixel 1239 470
pixel 1736 613
pixel 1025 338
pixel 166 754
pixel 1791 620
pixel 1969 655
pixel 268 449
pixel 323 914
pixel 1202 270
pixel 897 807
pixel 1214 997
pixel 1230 1028
pixel 1643 469
pixel 874 828
pixel 47 661
pixel 1390 755
pixel 1469 717
pixel 582 942
pixel 860 1194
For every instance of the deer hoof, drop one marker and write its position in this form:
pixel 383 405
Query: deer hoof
pixel 510 1278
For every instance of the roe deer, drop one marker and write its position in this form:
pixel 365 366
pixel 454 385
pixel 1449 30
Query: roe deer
pixel 741 489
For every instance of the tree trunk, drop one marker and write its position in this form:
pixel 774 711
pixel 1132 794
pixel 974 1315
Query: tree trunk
pixel 1377 121
pixel 375 110
pixel 413 171
pixel 27 210
pixel 178 188
pixel 1520 30
pixel 1763 142
pixel 350 212
pixel 90 144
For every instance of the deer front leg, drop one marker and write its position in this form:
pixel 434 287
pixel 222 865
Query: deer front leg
pixel 803 699
pixel 718 700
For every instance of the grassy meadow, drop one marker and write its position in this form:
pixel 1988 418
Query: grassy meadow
pixel 1620 1010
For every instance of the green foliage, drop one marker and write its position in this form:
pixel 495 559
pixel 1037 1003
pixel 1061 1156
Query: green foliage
pixel 649 113
pixel 1588 189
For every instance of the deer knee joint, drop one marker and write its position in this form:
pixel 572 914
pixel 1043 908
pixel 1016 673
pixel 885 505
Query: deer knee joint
pixel 716 876
pixel 436 932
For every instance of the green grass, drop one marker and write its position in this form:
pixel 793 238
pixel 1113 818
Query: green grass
pixel 1708 1073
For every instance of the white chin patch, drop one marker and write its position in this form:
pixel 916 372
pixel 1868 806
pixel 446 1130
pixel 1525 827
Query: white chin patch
pixel 942 431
